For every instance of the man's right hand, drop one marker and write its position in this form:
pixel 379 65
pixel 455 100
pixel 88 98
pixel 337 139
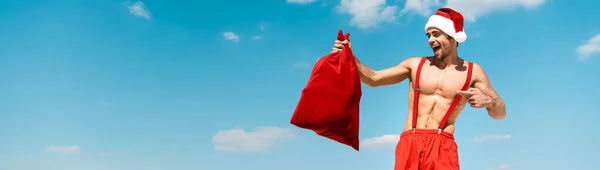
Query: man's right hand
pixel 339 45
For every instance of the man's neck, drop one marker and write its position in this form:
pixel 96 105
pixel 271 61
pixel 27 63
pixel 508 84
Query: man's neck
pixel 451 59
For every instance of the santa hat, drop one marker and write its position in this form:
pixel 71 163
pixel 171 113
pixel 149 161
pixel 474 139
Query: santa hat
pixel 448 21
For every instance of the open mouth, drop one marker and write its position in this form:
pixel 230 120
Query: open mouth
pixel 436 49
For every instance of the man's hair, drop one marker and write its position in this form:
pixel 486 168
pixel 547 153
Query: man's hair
pixel 451 38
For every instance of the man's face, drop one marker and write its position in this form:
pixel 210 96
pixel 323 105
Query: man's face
pixel 440 43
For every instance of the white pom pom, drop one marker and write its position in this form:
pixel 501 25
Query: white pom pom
pixel 460 37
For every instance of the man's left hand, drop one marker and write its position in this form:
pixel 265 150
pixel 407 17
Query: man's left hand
pixel 476 98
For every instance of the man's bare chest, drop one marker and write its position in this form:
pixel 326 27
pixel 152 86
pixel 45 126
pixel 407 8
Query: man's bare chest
pixel 442 82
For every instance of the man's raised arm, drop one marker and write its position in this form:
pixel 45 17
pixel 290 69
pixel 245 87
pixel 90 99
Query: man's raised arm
pixel 374 78
pixel 389 76
pixel 495 107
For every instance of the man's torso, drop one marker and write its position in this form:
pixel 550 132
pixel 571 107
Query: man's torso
pixel 437 89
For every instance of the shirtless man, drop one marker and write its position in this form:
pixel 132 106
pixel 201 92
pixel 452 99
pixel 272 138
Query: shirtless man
pixel 440 86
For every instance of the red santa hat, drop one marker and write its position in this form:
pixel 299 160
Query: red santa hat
pixel 448 21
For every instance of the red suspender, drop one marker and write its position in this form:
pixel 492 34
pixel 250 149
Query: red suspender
pixel 452 106
pixel 456 99
pixel 416 94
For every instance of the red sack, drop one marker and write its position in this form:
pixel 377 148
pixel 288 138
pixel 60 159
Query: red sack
pixel 329 103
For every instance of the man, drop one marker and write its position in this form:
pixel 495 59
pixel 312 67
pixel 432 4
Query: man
pixel 440 86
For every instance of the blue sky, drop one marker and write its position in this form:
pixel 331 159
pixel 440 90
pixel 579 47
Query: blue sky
pixel 188 85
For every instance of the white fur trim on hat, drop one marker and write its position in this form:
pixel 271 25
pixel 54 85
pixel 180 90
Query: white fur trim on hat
pixel 460 36
pixel 447 26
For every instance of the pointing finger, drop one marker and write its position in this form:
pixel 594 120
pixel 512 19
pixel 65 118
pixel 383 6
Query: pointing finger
pixel 466 92
pixel 473 89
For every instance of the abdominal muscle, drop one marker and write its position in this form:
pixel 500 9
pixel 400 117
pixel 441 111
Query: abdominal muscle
pixel 432 109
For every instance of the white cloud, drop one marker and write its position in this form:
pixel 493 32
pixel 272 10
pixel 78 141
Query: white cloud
pixel 591 47
pixel 500 167
pixel 300 1
pixel 104 103
pixel 368 13
pixel 64 149
pixel 231 37
pixel 385 141
pixel 492 138
pixel 238 140
pixel 262 28
pixel 421 7
pixel 139 9
pixel 256 37
pixel 472 9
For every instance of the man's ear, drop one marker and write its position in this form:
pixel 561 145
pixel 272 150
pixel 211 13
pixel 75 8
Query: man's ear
pixel 451 39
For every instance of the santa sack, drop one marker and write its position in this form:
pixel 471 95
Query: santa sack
pixel 329 104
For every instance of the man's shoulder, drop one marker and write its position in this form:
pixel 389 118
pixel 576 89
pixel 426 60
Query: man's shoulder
pixel 478 71
pixel 410 63
pixel 476 67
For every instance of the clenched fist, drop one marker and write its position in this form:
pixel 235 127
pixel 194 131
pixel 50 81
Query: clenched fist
pixel 339 45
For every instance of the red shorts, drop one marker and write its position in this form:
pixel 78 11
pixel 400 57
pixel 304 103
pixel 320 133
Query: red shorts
pixel 426 150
